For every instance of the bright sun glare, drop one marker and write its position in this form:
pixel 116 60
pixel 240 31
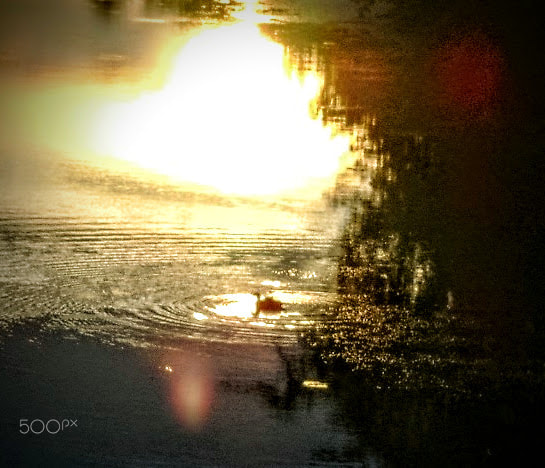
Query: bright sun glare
pixel 230 115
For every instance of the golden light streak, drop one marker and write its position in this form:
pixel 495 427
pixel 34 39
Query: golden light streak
pixel 315 384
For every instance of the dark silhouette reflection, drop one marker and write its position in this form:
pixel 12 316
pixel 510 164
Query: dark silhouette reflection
pixel 169 10
pixel 302 379
pixel 436 345
pixel 438 247
pixel 106 7
pixel 285 398
pixel 392 236
pixel 432 289
pixel 433 345
pixel 198 9
pixel 436 429
pixel 356 73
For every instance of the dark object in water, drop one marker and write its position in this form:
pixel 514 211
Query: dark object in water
pixel 268 304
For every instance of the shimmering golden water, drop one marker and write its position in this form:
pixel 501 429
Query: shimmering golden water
pixel 158 205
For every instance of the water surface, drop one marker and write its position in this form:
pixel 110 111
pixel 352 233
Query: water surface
pixel 163 162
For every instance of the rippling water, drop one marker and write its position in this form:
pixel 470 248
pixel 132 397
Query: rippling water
pixel 156 172
pixel 142 266
pixel 96 242
pixel 161 163
pixel 147 269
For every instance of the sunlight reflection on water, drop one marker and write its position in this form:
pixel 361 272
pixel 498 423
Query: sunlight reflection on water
pixel 230 116
pixel 224 108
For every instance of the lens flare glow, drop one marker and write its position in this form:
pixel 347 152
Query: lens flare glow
pixel 230 116
pixel 191 391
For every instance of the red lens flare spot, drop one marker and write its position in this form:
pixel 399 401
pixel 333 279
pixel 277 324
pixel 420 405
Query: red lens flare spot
pixel 470 72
